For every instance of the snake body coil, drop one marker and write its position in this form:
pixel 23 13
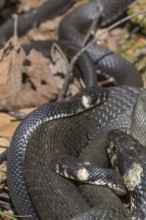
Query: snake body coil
pixel 16 154
pixel 86 126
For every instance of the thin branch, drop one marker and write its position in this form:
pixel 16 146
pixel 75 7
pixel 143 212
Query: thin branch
pixel 90 33
pixel 7 215
pixel 94 24
pixel 15 19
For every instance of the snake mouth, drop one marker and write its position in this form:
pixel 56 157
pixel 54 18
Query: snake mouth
pixel 112 157
pixel 113 160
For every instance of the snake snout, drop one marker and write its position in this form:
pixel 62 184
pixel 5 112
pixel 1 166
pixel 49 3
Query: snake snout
pixel 94 97
pixel 71 167
pixel 103 94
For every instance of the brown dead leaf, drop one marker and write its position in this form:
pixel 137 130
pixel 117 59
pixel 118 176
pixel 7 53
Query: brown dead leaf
pixel 7 127
pixel 3 176
pixel 42 82
pixel 26 5
pixel 5 118
pixel 25 81
pixel 4 142
pixel 45 31
pixel 60 62
pixel 6 130
pixel 11 60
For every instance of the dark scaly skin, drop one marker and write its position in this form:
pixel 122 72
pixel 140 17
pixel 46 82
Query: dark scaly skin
pixel 104 211
pixel 81 132
pixel 16 153
pixel 138 119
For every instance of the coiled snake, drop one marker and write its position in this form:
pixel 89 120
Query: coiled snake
pixel 127 155
pixel 82 135
pixel 83 132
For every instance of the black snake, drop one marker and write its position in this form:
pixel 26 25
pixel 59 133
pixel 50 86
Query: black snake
pixel 84 130
pixel 127 156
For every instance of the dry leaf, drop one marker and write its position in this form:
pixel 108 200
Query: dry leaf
pixel 11 67
pixel 27 5
pixel 8 126
pixel 3 176
pixel 43 84
pixel 6 130
pixel 25 81
pixel 60 62
pixel 4 142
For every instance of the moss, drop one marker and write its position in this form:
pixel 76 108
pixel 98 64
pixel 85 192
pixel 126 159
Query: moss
pixel 134 49
pixel 140 20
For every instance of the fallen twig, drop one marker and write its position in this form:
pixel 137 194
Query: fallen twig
pixel 84 43
pixel 94 24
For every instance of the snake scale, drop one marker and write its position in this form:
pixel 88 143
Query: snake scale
pixel 29 172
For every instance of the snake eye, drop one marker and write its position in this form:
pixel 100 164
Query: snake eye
pixel 62 167
pixel 115 148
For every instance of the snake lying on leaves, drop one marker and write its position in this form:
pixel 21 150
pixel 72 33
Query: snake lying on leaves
pixel 72 129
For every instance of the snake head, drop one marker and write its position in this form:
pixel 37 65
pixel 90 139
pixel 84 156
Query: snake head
pixel 92 97
pixel 124 157
pixel 85 100
pixel 70 167
pixel 121 150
